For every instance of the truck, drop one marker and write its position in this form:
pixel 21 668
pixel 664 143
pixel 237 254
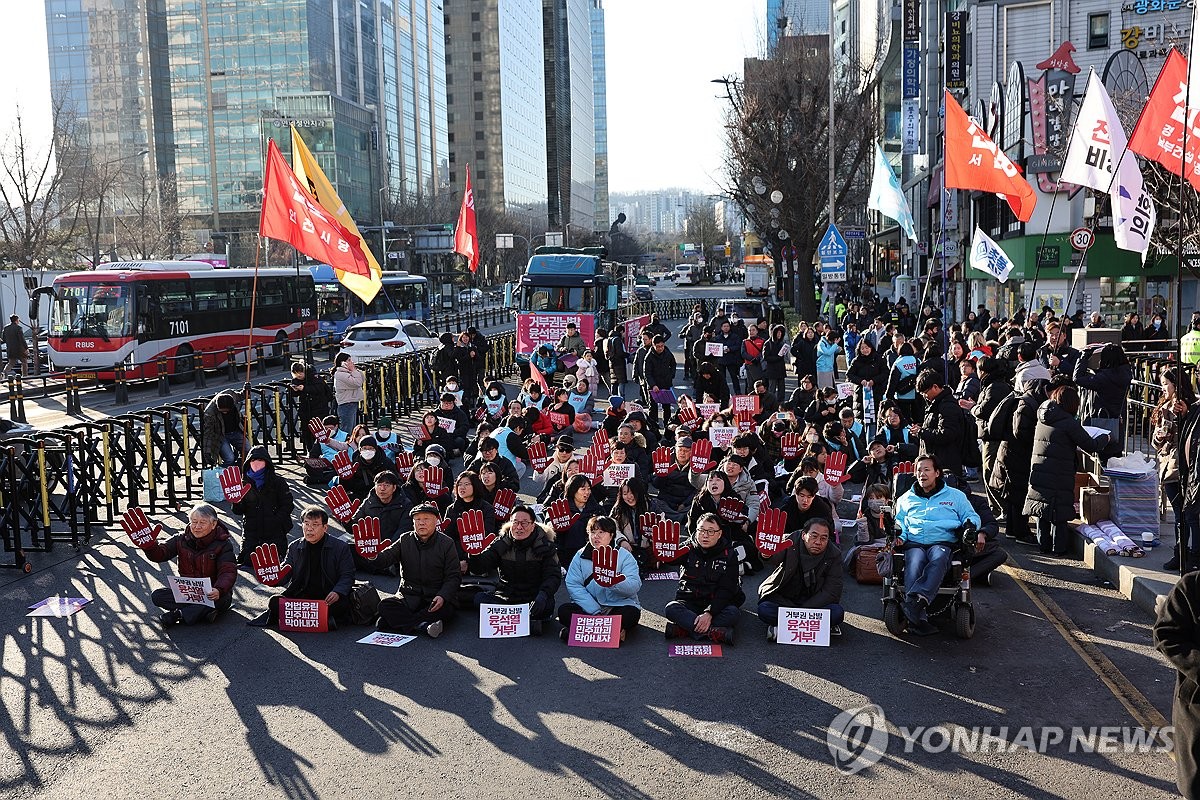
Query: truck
pixel 758 271
pixel 562 285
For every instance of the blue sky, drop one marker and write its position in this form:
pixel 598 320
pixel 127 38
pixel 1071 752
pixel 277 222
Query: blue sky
pixel 664 115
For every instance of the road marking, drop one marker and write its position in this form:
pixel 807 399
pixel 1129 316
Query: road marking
pixel 1084 645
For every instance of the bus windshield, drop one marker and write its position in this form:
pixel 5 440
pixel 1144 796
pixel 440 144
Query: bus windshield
pixel 558 298
pixel 332 303
pixel 100 309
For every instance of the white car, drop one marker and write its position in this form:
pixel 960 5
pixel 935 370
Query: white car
pixel 470 296
pixel 379 338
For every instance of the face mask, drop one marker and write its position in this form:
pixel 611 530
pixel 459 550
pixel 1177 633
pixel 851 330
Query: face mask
pixel 452 387
pixel 494 394
pixel 367 453
pixel 385 434
pixel 434 461
pixel 873 506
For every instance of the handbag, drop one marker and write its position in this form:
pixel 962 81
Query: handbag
pixel 213 493
pixel 866 561
pixel 364 603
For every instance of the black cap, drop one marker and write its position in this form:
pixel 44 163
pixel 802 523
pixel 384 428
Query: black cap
pixel 425 508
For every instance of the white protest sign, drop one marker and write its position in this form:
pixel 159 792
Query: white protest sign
pixel 722 435
pixel 503 621
pixel 714 349
pixel 706 410
pixel 446 424
pixel 614 474
pixel 191 590
pixel 808 627
pixel 845 391
pixel 382 639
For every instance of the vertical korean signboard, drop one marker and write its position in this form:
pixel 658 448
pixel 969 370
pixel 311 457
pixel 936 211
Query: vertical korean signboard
pixel 911 75
pixel 956 50
pixel 912 20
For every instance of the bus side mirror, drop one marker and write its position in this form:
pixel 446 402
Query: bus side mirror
pixel 610 301
pixel 508 295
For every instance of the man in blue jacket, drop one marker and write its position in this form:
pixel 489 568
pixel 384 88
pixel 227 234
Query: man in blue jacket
pixel 929 516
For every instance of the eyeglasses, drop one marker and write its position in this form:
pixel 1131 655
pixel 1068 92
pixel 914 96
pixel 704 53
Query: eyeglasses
pixel 708 530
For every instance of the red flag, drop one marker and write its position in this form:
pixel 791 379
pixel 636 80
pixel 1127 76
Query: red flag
pixel 537 375
pixel 974 162
pixel 466 239
pixel 292 215
pixel 1158 134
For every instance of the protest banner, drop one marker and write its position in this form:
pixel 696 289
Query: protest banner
pixel 745 402
pixel 807 627
pixel 595 630
pixel 503 621
pixel 722 435
pixel 695 650
pixel 614 474
pixel 303 616
pixel 382 639
pixel 191 590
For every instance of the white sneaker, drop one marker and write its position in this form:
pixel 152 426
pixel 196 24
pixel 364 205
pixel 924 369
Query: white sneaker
pixel 435 628
pixel 770 633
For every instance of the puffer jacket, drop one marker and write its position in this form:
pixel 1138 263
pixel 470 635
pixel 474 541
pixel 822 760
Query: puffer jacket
pixel 348 386
pixel 995 391
pixel 1052 472
pixel 527 566
pixel 943 430
pixel 1110 389
pixel 1011 474
pixel 427 569
pixel 867 368
pixel 266 512
pixel 709 579
pixel 211 558
pixel 710 379
pixel 820 577
pixel 934 517
pixel 591 596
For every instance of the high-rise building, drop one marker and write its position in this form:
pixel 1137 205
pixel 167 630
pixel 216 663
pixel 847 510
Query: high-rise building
pixel 202 84
pixel 495 93
pixel 570 109
pixel 600 91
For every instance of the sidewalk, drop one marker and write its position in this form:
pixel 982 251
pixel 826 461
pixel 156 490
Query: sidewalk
pixel 1142 580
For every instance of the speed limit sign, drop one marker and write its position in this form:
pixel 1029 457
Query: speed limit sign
pixel 1082 238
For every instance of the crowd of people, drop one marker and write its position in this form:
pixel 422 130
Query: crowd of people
pixel 783 456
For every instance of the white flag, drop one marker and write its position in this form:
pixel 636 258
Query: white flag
pixel 886 197
pixel 986 256
pixel 1097 141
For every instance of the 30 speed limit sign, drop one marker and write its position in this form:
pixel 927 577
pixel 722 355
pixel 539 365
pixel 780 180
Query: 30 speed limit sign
pixel 1082 238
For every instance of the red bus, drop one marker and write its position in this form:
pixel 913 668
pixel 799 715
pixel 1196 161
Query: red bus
pixel 137 312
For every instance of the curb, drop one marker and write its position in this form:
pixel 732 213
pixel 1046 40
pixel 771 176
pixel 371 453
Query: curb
pixel 1145 586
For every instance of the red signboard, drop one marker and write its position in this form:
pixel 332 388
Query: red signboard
pixel 535 329
pixel 303 616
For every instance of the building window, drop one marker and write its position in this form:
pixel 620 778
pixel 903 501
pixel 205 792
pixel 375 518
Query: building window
pixel 476 37
pixel 1098 31
pixel 479 97
pixel 474 16
pixel 477 56
pixel 479 116
pixel 479 155
pixel 476 76
pixel 479 136
pixel 449 99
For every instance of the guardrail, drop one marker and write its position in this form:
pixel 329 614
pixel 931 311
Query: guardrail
pixel 55 486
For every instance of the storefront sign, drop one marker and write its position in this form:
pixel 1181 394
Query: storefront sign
pixel 1155 6
pixel 910 126
pixel 912 20
pixel 956 50
pixel 911 76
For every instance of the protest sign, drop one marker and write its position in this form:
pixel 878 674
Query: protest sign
pixel 714 349
pixel 695 650
pixel 745 402
pixel 303 616
pixel 845 391
pixel 191 590
pixel 722 435
pixel 57 606
pixel 383 639
pixel 706 410
pixel 595 630
pixel 665 575
pixel 614 474
pixel 808 627
pixel 503 621
pixel 446 424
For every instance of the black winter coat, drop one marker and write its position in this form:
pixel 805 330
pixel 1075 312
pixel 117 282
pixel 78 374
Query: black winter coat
pixel 994 392
pixel 427 569
pixel 457 509
pixel 660 369
pixel 820 579
pixel 337 567
pixel 867 368
pixel 709 579
pixel 710 379
pixel 774 363
pixel 1010 477
pixel 527 566
pixel 1177 636
pixel 359 485
pixel 266 512
pixel 1052 472
pixel 393 517
pixel 804 355
pixel 675 489
pixel 1111 387
pixel 943 430
pixel 314 400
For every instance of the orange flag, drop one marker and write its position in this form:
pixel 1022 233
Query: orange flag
pixel 1158 135
pixel 537 375
pixel 290 214
pixel 974 162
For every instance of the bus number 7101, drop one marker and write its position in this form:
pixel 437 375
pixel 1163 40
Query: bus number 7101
pixel 179 327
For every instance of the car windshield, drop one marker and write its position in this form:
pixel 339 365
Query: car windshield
pixel 372 334
pixel 558 298
pixel 331 304
pixel 92 309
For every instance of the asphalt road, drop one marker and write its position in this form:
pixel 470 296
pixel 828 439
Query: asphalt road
pixel 106 702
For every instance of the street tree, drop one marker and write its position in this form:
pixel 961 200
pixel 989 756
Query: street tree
pixel 778 139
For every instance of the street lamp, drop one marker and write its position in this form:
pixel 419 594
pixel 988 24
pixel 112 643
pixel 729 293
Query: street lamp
pixel 100 207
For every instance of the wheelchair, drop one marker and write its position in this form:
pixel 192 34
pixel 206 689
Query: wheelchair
pixel 953 599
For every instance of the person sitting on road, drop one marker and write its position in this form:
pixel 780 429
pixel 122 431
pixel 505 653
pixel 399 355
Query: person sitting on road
pixel 387 439
pixel 527 561
pixel 546 362
pixel 493 403
pixel 709 598
pixel 429 577
pixel 368 462
pixel 386 504
pixel 588 596
pixel 455 422
pixel 429 432
pixel 321 568
pixel 805 504
pixel 204 550
pixel 489 453
pixel 582 507
pixel 468 496
pixel 266 506
pixel 317 468
pixel 510 444
pixel 561 412
pixel 930 517
pixel 808 576
pixel 564 453
pixel 675 489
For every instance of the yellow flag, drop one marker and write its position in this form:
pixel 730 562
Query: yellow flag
pixel 307 170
